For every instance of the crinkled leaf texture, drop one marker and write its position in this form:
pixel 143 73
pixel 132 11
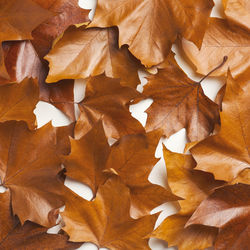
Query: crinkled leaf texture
pixel 150 27
pixel 105 221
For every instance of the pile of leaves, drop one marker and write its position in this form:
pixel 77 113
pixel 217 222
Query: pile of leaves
pixel 45 46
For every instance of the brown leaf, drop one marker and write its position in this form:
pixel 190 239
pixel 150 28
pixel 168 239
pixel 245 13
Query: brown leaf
pixel 223 205
pixel 226 154
pixel 220 40
pixel 131 158
pixel 191 238
pixel 150 27
pixel 21 61
pixel 179 103
pixel 88 158
pixel 63 135
pixel 89 52
pixel 19 17
pixel 18 101
pixel 238 11
pixel 61 95
pixel 192 185
pixel 107 100
pixel 235 235
pixel 106 221
pixel 32 236
pixel 7 220
pixel 228 208
pixel 67 13
pixel 29 164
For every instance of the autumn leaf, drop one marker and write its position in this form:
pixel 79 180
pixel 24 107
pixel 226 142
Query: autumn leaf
pixel 22 61
pixel 220 40
pixel 226 154
pixel 107 100
pixel 61 95
pixel 67 13
pixel 29 167
pixel 88 158
pixel 156 24
pixel 238 11
pixel 179 103
pixel 18 101
pixel 105 221
pixel 7 220
pixel 132 159
pixel 194 237
pixel 63 135
pixel 131 154
pixel 109 150
pixel 32 236
pixel 89 52
pixel 192 185
pixel 19 17
pixel 235 235
pixel 228 209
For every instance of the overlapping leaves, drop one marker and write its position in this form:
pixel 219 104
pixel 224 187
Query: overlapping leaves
pixel 45 45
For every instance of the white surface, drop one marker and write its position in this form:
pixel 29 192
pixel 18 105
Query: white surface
pixel 46 112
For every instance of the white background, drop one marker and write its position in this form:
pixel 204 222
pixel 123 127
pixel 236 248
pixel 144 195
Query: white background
pixel 46 112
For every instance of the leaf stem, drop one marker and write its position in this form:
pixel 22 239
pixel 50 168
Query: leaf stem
pixel 219 66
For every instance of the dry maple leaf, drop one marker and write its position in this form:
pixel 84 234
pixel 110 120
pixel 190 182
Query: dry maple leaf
pixel 17 102
pixel 150 27
pixel 105 221
pixel 226 154
pixel 220 40
pixel 17 20
pixel 107 100
pixel 192 185
pixel 238 11
pixel 19 17
pixel 29 167
pixel 7 220
pixel 228 208
pixel 61 95
pixel 179 103
pixel 21 61
pixel 194 237
pixel 132 158
pixel 235 235
pixel 32 236
pixel 63 135
pixel 89 52
pixel 68 13
pixel 88 158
